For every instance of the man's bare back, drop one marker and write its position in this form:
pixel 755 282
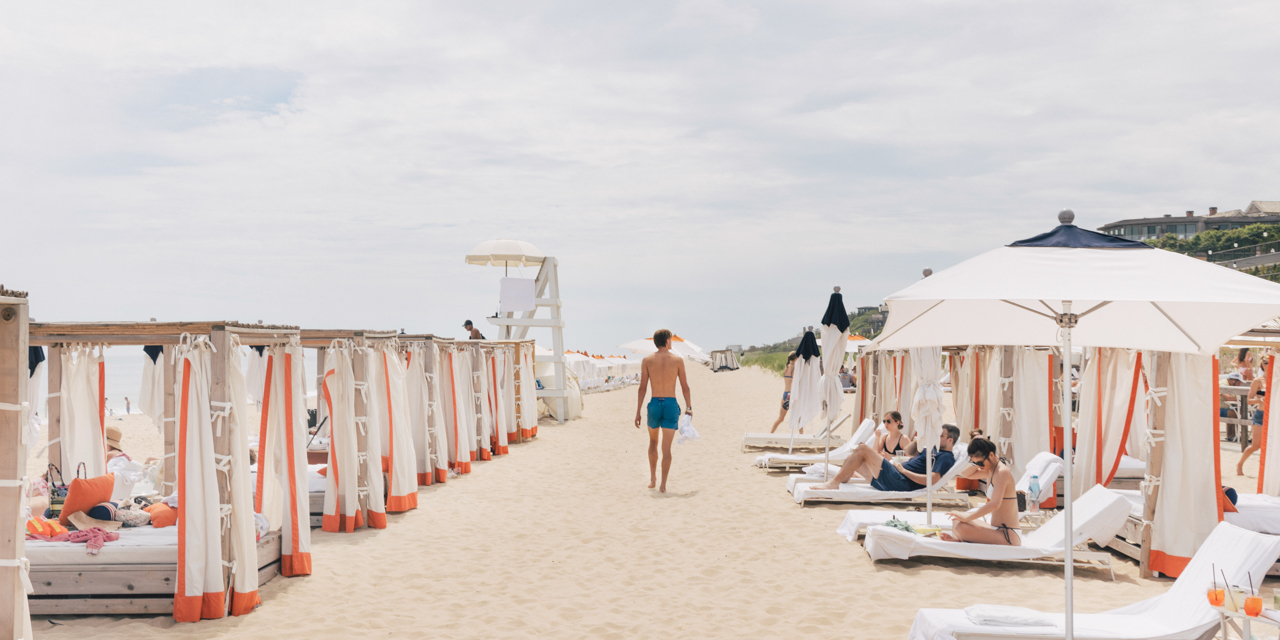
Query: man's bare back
pixel 664 369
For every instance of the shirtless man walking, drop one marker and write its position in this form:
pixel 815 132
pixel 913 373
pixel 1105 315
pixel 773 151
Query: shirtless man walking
pixel 662 369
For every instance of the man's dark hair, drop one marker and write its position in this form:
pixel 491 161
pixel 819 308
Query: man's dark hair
pixel 661 338
pixel 952 431
pixel 897 417
pixel 467 323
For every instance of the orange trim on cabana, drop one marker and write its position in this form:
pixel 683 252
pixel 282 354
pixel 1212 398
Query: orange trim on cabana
pixel 1128 418
pixel 485 454
pixel 243 603
pixel 377 520
pixel 977 389
pixel 1097 421
pixel 102 404
pixel 295 563
pixel 1266 423
pixel 185 608
pixel 334 524
pixel 442 475
pixel 425 479
pixel 398 504
pixel 262 434
pixel 1053 433
pixel 1217 451
pixel 453 404
pixel 1170 565
pixel 340 523
pixel 493 407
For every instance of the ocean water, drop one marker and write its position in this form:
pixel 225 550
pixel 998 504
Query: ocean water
pixel 124 376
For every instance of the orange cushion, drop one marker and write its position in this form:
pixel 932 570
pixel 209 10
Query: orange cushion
pixel 85 494
pixel 1227 507
pixel 162 515
pixel 38 526
pixel 968 484
pixel 324 471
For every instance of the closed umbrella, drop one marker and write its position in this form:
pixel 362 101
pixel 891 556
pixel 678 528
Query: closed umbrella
pixel 926 410
pixel 806 385
pixel 1071 284
pixel 835 339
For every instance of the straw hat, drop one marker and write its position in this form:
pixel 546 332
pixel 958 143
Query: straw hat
pixel 83 521
pixel 113 437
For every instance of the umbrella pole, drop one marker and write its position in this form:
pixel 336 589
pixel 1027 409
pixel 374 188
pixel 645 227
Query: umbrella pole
pixel 1067 320
pixel 928 481
pixel 826 466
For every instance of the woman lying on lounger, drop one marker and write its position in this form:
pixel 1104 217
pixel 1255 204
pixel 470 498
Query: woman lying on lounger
pixel 1003 505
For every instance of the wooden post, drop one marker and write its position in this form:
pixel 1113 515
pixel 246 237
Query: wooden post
pixel 13 460
pixel 322 409
pixel 169 425
pixel 874 387
pixel 1006 400
pixel 220 392
pixel 1155 462
pixel 362 435
pixel 55 408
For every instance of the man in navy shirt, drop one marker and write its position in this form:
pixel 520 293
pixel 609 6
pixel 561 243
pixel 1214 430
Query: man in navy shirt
pixel 886 475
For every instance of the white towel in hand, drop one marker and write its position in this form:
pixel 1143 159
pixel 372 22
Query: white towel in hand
pixel 687 432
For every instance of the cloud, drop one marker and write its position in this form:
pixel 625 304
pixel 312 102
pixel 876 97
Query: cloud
pixel 710 167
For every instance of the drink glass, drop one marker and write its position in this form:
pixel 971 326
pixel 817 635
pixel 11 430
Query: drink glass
pixel 1235 599
pixel 1216 596
pixel 1253 606
pixel 1275 599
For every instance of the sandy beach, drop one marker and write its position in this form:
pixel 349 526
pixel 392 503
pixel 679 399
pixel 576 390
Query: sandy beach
pixel 562 539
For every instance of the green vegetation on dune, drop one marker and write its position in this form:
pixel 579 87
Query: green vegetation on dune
pixel 776 361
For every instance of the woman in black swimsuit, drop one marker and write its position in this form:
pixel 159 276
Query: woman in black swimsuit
pixel 1002 505
pixel 786 391
pixel 892 441
pixel 1258 400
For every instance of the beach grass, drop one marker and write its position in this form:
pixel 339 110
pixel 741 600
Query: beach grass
pixel 774 362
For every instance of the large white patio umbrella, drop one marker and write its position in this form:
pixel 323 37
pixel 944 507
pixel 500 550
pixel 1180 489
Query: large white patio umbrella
pixel 835 340
pixel 1074 285
pixel 806 386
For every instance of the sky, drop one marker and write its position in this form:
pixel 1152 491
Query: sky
pixel 710 167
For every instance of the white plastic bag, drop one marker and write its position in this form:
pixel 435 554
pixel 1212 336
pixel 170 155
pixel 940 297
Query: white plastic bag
pixel 686 430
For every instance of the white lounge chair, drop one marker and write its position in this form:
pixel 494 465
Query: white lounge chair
pixel 800 441
pixel 1045 465
pixel 865 432
pixel 860 490
pixel 1098 515
pixel 1181 613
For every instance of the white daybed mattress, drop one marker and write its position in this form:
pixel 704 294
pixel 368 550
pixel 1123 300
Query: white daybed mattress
pixel 137 545
pixel 1257 512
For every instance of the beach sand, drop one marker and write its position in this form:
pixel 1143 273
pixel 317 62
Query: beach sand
pixel 562 539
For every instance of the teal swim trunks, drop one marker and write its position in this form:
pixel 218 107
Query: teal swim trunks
pixel 664 413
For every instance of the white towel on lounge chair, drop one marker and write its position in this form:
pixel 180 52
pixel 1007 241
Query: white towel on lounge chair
pixel 1181 613
pixel 1098 515
pixel 862 491
pixel 864 433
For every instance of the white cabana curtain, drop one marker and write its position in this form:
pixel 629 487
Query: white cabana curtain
pixel 244 534
pixel 151 395
pixel 886 384
pixel 269 496
pixel 464 397
pixel 286 447
pixel 437 422
pixel 1269 455
pixel 455 429
pixel 507 396
pixel 375 488
pixel 83 436
pixel 928 399
pixel 1032 402
pixel 495 367
pixel 37 395
pixel 419 400
pixel 834 343
pixel 966 385
pixel 908 382
pixel 199 591
pixel 484 409
pixel 393 428
pixel 1188 506
pixel 338 393
pixel 256 373
pixel 527 393
pixel 1112 404
pixel 806 393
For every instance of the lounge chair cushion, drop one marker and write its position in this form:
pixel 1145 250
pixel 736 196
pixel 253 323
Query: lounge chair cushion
pixel 162 515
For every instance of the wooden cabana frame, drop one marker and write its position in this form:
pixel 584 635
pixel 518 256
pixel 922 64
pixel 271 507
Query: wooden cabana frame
pixel 13 458
pixel 116 589
pixel 521 394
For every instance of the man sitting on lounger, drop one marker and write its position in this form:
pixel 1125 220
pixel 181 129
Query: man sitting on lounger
pixel 887 475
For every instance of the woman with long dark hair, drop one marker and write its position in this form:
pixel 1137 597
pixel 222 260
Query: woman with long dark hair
pixel 1002 504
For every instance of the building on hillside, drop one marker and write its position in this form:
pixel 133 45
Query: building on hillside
pixel 1258 212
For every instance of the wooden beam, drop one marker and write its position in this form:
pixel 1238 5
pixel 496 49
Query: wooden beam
pixel 322 408
pixel 1006 400
pixel 55 408
pixel 362 435
pixel 13 459
pixel 169 426
pixel 220 392
pixel 1155 462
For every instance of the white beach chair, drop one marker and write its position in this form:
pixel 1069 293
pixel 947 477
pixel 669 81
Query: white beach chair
pixel 1181 613
pixel 1099 514
pixel 800 441
pixel 861 490
pixel 865 432
pixel 1045 465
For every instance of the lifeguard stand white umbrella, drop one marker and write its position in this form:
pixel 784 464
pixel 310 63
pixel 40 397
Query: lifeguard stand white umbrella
pixel 1131 295
pixel 508 253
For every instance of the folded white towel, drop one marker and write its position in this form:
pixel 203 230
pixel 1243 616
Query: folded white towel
pixel 997 615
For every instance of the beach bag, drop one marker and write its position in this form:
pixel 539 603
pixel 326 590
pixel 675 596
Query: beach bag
pixel 686 430
pixel 57 492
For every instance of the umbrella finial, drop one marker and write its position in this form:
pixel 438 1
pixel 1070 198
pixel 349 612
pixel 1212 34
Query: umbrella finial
pixel 928 272
pixel 837 289
pixel 1066 216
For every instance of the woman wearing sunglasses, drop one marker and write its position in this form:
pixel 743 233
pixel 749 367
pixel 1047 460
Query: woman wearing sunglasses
pixel 1002 503
pixel 892 442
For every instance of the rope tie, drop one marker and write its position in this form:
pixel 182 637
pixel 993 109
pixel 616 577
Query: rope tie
pixel 25 566
pixel 54 394
pixel 363 388
pixel 169 455
pixel 219 415
pixel 230 565
pixel 360 423
pixel 14 483
pixel 1005 382
pixel 1150 483
pixel 1154 436
pixel 46 446
pixel 1006 413
pixel 224 515
pixel 1155 393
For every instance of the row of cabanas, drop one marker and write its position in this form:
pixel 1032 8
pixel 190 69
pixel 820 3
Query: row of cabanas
pixel 394 412
pixel 1151 323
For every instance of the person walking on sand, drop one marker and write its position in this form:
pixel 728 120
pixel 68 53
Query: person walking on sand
pixel 786 390
pixel 661 370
